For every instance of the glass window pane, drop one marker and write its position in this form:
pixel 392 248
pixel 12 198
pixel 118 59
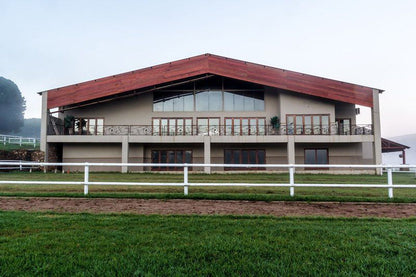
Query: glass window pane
pixel 156 127
pixel 168 105
pixel 228 101
pixel 188 126
pixel 236 156
pixel 325 124
pixel 259 104
pixel 244 125
pixel 172 127
pixel 261 157
pixel 188 156
pixel 215 100
pixel 310 156
pixel 202 126
pixel 164 127
pixel 163 156
pixel 262 124
pixel 244 157
pixel 321 156
pixel 228 126
pixel 178 104
pixel 179 157
pixel 308 124
pixel 155 157
pixel 237 127
pixel 202 101
pixel 290 124
pixel 188 104
pixel 214 126
pixel 252 157
pixel 299 124
pixel 227 157
pixel 253 126
pixel 91 126
pixel 248 103
pixel 171 156
pixel 180 127
pixel 238 102
pixel 316 124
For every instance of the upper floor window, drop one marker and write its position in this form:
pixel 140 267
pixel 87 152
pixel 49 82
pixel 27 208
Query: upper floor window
pixel 238 126
pixel 89 126
pixel 172 126
pixel 212 94
pixel 303 124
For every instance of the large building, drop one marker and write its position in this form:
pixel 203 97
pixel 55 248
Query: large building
pixel 211 109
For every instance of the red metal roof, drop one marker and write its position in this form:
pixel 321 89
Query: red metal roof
pixel 211 64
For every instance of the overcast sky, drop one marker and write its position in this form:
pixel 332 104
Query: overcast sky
pixel 48 44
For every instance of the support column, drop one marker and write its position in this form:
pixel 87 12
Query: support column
pixel 375 118
pixel 207 153
pixel 44 124
pixel 291 150
pixel 124 153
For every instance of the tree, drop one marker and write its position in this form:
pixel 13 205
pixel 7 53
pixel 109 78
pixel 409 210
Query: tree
pixel 12 107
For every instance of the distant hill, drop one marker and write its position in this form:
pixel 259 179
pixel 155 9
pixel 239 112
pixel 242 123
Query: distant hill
pixel 31 128
pixel 393 158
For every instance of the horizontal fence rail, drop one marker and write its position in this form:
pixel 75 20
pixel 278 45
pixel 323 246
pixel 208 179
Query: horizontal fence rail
pixel 186 184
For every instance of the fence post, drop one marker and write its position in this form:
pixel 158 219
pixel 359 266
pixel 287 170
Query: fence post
pixel 292 180
pixel 20 141
pixel 86 177
pixel 185 180
pixel 390 181
pixel 20 165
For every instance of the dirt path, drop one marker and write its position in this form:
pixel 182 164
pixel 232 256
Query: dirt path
pixel 204 207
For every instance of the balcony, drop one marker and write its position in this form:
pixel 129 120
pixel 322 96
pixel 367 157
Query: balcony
pixel 201 130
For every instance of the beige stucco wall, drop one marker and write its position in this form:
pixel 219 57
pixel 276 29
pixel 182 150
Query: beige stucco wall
pixel 291 103
pixel 345 110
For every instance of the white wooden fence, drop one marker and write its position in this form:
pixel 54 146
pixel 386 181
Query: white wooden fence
pixel 17 140
pixel 186 184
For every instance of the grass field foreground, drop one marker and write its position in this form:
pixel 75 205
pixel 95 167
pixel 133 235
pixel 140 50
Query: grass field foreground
pixel 52 244
pixel 249 193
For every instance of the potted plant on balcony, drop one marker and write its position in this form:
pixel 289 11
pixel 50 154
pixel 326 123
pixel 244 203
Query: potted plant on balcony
pixel 275 123
pixel 69 124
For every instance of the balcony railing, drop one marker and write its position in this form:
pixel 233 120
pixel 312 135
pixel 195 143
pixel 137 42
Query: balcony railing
pixel 199 130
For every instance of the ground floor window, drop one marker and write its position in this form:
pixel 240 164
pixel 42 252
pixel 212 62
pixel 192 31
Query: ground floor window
pixel 244 156
pixel 171 156
pixel 316 156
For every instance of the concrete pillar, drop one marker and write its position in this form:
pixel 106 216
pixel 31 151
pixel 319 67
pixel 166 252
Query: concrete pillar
pixel 124 153
pixel 44 123
pixel 207 153
pixel 291 150
pixel 375 118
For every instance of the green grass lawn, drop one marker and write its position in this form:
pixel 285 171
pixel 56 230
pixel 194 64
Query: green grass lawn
pixel 250 193
pixel 9 147
pixel 53 244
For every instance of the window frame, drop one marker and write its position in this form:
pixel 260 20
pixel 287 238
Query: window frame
pixel 159 133
pixel 312 125
pixel 176 150
pixel 241 133
pixel 257 150
pixel 316 157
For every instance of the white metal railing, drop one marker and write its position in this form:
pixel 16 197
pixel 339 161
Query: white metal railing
pixel 291 168
pixel 8 139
